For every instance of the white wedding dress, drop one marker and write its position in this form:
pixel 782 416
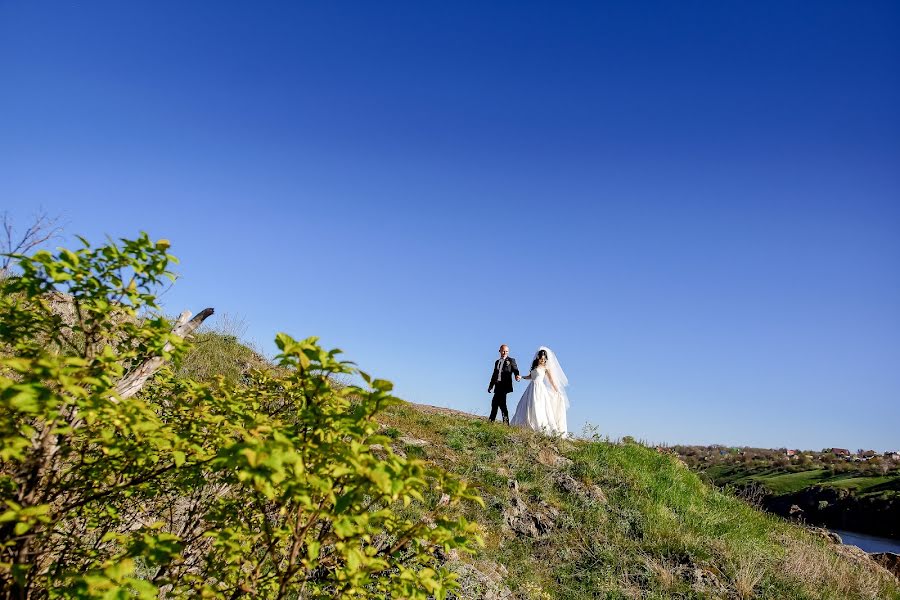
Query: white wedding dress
pixel 540 408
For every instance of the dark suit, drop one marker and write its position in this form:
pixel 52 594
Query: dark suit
pixel 507 369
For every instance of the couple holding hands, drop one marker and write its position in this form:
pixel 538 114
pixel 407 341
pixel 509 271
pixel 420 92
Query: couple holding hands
pixel 543 405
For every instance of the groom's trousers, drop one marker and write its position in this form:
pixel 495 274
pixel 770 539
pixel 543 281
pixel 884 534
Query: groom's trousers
pixel 499 401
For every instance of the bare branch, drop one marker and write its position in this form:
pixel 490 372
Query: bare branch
pixel 43 229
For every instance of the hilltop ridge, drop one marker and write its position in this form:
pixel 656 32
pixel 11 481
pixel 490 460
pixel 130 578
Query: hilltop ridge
pixel 575 518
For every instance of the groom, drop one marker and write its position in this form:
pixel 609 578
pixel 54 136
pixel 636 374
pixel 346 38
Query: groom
pixel 501 383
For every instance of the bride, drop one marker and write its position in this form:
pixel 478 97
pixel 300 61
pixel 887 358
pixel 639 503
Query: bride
pixel 544 403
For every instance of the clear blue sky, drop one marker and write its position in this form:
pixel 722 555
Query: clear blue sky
pixel 696 204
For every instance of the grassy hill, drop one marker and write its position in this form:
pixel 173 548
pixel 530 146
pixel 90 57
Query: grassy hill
pixel 272 476
pixel 588 519
pixel 573 518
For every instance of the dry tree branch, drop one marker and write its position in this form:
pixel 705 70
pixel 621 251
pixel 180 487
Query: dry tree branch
pixel 134 381
pixel 44 228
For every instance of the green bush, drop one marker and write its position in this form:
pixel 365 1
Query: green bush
pixel 194 489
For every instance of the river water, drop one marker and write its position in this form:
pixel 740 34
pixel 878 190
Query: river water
pixel 869 543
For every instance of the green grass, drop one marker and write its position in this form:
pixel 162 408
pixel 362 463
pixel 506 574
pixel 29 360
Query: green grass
pixel 661 533
pixel 786 483
pixel 220 353
pixel 660 527
pixel 779 482
pixel 863 484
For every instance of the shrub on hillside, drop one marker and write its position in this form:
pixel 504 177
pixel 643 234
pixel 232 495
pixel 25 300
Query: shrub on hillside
pixel 193 489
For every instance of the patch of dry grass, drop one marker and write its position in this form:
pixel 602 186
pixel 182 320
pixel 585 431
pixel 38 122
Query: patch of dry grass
pixel 666 575
pixel 747 575
pixel 837 571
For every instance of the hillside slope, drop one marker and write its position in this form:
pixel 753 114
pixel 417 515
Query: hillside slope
pixel 574 519
pixel 268 483
pixel 587 519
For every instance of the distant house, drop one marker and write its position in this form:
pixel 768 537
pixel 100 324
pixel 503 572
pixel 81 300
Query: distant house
pixel 791 452
pixel 867 453
pixel 840 452
pixel 892 454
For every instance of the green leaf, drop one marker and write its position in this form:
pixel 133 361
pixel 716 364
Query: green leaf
pixel 381 478
pixel 344 527
pixel 22 527
pixel 382 385
pixel 312 550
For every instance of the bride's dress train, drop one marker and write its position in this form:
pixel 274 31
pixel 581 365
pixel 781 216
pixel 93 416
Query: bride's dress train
pixel 540 408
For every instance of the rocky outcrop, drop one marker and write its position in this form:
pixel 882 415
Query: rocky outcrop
pixel 411 441
pixel 535 521
pixel 827 535
pixel 549 458
pixel 588 493
pixel 709 580
pixel 482 581
pixel 839 509
pixel 888 560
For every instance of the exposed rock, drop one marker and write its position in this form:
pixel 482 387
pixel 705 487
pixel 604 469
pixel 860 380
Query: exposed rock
pixel 795 512
pixel 705 578
pixel 840 509
pixel 411 441
pixel 596 492
pixel 441 410
pixel 549 458
pixel 522 520
pixel 570 485
pixel 853 552
pixel 828 535
pixel 381 452
pixel 888 560
pixel 880 561
pixel 863 558
pixel 483 581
